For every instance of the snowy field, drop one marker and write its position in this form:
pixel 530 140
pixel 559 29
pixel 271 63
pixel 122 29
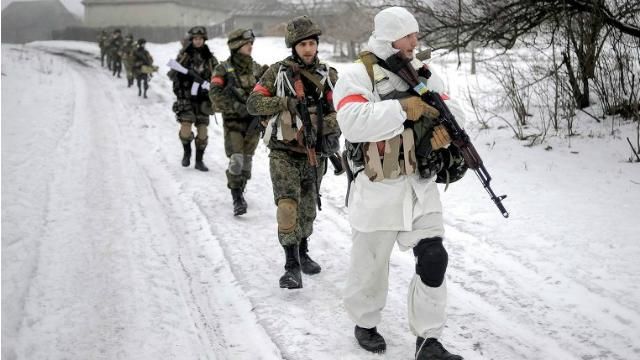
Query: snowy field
pixel 112 250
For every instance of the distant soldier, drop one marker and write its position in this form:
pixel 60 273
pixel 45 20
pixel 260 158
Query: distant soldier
pixel 126 54
pixel 193 106
pixel 232 82
pixel 103 39
pixel 114 49
pixel 142 67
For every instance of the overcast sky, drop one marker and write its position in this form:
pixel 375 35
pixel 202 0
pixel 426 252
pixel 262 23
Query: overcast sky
pixel 75 6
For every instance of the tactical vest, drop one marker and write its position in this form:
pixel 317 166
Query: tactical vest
pixel 387 159
pixel 286 124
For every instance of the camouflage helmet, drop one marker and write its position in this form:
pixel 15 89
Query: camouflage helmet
pixel 129 36
pixel 141 41
pixel 198 31
pixel 238 38
pixel 117 31
pixel 300 28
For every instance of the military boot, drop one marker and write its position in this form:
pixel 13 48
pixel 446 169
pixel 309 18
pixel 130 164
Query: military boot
pixel 139 91
pixel 309 266
pixel 199 163
pixel 129 82
pixel 239 205
pixel 292 278
pixel 186 158
pixel 432 349
pixel 370 339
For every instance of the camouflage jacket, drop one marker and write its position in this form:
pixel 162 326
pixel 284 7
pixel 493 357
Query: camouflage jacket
pixel 140 56
pixel 202 62
pixel 127 49
pixel 115 44
pixel 102 41
pixel 231 84
pixel 267 97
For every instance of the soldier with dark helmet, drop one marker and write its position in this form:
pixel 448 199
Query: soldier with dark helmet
pixel 193 106
pixel 141 59
pixel 114 48
pixel 295 179
pixel 126 53
pixel 103 40
pixel 231 84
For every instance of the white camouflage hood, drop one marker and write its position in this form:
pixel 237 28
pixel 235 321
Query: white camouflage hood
pixel 390 25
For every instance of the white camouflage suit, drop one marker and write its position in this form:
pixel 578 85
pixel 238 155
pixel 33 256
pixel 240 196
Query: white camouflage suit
pixel 403 210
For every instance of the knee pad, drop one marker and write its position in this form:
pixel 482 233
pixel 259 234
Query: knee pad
pixel 203 132
pixel 236 164
pixel 431 261
pixel 185 134
pixel 201 143
pixel 287 214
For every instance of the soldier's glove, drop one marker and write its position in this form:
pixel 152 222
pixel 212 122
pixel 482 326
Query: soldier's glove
pixel 415 108
pixel 289 104
pixel 440 138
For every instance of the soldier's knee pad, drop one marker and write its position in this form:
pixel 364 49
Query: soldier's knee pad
pixel 431 261
pixel 185 133
pixel 203 132
pixel 236 164
pixel 201 143
pixel 287 214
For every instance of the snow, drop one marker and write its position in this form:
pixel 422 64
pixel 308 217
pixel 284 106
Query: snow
pixel 112 250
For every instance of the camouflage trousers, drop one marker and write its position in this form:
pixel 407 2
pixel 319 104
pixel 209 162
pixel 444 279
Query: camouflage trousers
pixel 193 113
pixel 292 178
pixel 128 68
pixel 239 148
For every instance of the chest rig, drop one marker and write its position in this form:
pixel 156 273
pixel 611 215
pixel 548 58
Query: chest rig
pixel 387 159
pixel 286 124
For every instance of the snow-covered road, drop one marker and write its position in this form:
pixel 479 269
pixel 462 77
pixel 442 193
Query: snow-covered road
pixel 112 250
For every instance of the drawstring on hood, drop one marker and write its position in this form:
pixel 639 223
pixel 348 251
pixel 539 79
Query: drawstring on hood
pixel 390 24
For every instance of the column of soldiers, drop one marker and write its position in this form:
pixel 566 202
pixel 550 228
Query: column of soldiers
pixel 291 103
pixel 119 52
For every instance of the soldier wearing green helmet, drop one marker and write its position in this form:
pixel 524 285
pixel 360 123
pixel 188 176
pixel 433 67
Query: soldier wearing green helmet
pixel 295 176
pixel 231 84
pixel 193 106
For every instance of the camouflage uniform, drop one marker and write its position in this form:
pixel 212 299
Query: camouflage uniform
pixel 193 109
pixel 114 48
pixel 139 58
pixel 231 84
pixel 103 39
pixel 126 54
pixel 294 189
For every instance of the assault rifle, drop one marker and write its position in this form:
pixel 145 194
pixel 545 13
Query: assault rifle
pixel 198 81
pixel 401 66
pixel 309 136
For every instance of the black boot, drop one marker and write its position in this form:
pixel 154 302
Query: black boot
pixel 432 349
pixel 186 158
pixel 292 279
pixel 139 91
pixel 370 339
pixel 239 205
pixel 309 266
pixel 199 164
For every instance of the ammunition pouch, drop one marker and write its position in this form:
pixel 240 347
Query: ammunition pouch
pixel 182 105
pixel 447 165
